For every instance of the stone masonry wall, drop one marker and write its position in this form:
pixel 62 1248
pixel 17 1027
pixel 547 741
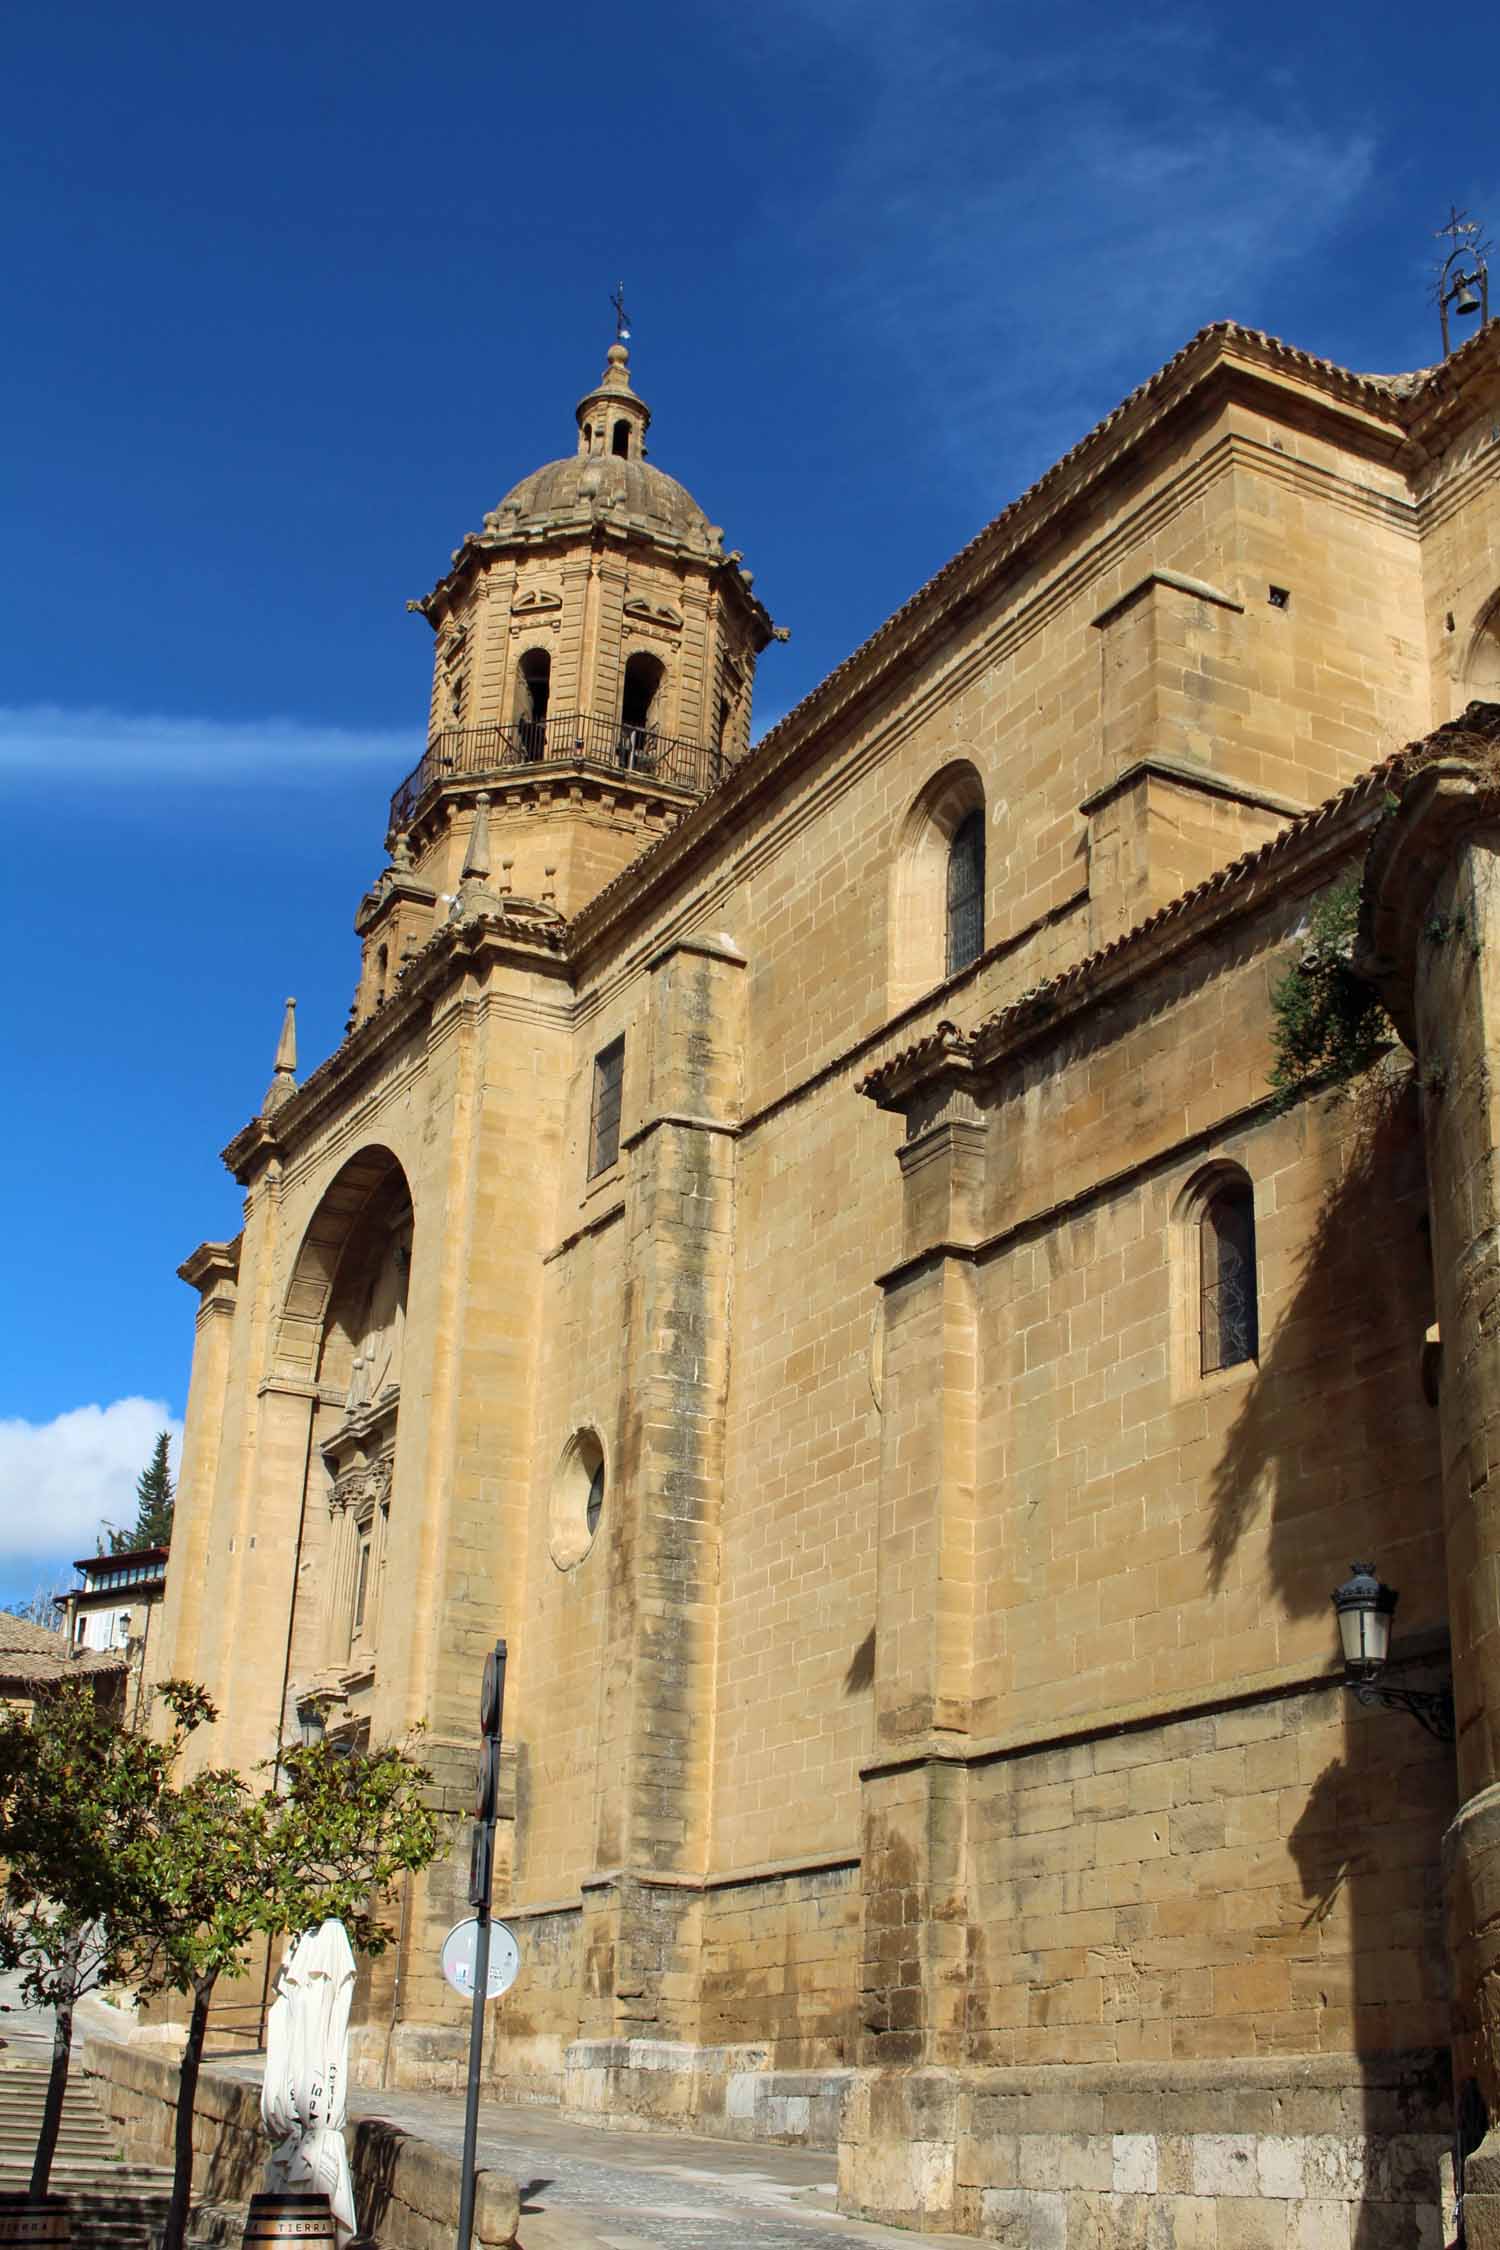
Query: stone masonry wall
pixel 1253 2154
pixel 780 1966
pixel 1257 1880
pixel 406 2191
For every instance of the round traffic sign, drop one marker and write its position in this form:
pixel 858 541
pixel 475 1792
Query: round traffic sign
pixel 459 1948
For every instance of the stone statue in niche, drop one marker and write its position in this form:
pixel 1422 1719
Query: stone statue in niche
pixel 380 1327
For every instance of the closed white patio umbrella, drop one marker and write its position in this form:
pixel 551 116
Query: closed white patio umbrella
pixel 303 2097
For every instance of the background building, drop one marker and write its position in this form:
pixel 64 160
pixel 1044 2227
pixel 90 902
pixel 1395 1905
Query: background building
pixel 799 1240
pixel 114 1604
pixel 35 1660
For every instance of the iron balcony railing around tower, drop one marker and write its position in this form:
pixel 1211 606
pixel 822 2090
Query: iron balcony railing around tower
pixel 468 753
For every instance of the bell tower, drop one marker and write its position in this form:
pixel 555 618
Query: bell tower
pixel 592 676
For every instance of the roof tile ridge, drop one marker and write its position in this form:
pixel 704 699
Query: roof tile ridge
pixel 1233 873
pixel 1043 998
pixel 1217 331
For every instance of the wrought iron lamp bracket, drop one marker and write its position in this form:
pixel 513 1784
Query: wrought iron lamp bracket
pixel 1432 1708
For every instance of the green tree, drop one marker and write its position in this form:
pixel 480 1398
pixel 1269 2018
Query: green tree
pixel 215 1865
pixel 154 1498
pixel 73 1786
pixel 170 1883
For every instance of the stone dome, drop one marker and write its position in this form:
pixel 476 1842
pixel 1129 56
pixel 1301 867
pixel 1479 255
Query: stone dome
pixel 601 485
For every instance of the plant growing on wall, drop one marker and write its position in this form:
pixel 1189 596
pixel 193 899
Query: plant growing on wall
pixel 1328 1023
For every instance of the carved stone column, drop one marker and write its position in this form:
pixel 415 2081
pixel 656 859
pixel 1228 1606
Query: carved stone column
pixel 1432 937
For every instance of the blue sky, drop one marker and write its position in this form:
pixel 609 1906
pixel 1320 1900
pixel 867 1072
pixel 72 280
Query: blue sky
pixel 295 295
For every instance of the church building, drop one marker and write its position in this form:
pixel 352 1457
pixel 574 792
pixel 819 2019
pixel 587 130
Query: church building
pixel 798 1238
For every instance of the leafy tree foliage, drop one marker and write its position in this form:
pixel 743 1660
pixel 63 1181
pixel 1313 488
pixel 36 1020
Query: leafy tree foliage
pixel 203 1868
pixel 73 1787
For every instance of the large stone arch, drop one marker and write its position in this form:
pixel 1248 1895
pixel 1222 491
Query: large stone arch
pixel 1481 672
pixel 302 1321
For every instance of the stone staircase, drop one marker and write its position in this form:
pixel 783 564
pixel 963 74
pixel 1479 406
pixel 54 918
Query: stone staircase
pixel 115 2206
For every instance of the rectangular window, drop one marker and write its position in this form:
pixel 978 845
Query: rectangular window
pixel 1229 1315
pixel 604 1121
pixel 361 1585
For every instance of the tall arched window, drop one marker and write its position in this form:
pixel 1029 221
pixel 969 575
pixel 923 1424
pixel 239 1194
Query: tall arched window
pixel 1228 1307
pixel 966 892
pixel 533 691
pixel 619 443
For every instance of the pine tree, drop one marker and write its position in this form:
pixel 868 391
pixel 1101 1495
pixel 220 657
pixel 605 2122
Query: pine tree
pixel 154 1500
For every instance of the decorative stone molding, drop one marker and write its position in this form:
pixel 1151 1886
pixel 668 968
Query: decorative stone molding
pixel 362 1487
pixel 1442 803
pixel 654 613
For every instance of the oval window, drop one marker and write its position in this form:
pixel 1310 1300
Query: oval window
pixel 577 1499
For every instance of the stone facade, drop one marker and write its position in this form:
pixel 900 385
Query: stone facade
pixel 924 1728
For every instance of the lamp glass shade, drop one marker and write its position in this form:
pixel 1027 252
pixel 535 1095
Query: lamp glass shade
pixel 1364 1608
pixel 311 1725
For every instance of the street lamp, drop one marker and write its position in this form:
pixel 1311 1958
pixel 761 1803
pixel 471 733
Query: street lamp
pixel 312 1723
pixel 1364 1608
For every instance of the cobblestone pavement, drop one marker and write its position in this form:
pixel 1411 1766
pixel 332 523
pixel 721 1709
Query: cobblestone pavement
pixel 587 2187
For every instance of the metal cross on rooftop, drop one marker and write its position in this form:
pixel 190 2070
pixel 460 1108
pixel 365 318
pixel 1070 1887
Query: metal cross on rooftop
pixel 622 321
pixel 1459 225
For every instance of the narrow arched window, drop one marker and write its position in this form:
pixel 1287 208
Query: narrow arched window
pixel 966 893
pixel 640 709
pixel 533 692
pixel 619 444
pixel 1229 1314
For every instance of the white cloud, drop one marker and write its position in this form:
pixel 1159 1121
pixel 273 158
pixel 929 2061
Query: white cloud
pixel 60 1480
pixel 105 745
pixel 1026 229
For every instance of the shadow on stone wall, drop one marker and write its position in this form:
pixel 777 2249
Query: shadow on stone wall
pixel 1334 1434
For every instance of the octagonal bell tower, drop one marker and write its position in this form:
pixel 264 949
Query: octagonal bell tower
pixel 592 676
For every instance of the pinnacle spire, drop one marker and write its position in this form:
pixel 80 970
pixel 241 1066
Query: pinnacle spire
pixel 284 1077
pixel 474 895
pixel 477 857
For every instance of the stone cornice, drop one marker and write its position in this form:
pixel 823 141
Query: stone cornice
pixel 453 951
pixel 390 889
pixel 536 786
pixel 478 548
pixel 1184 775
pixel 1220 364
pixel 210 1263
pixel 1177 583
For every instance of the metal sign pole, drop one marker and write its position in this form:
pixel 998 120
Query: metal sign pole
pixel 491 1713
